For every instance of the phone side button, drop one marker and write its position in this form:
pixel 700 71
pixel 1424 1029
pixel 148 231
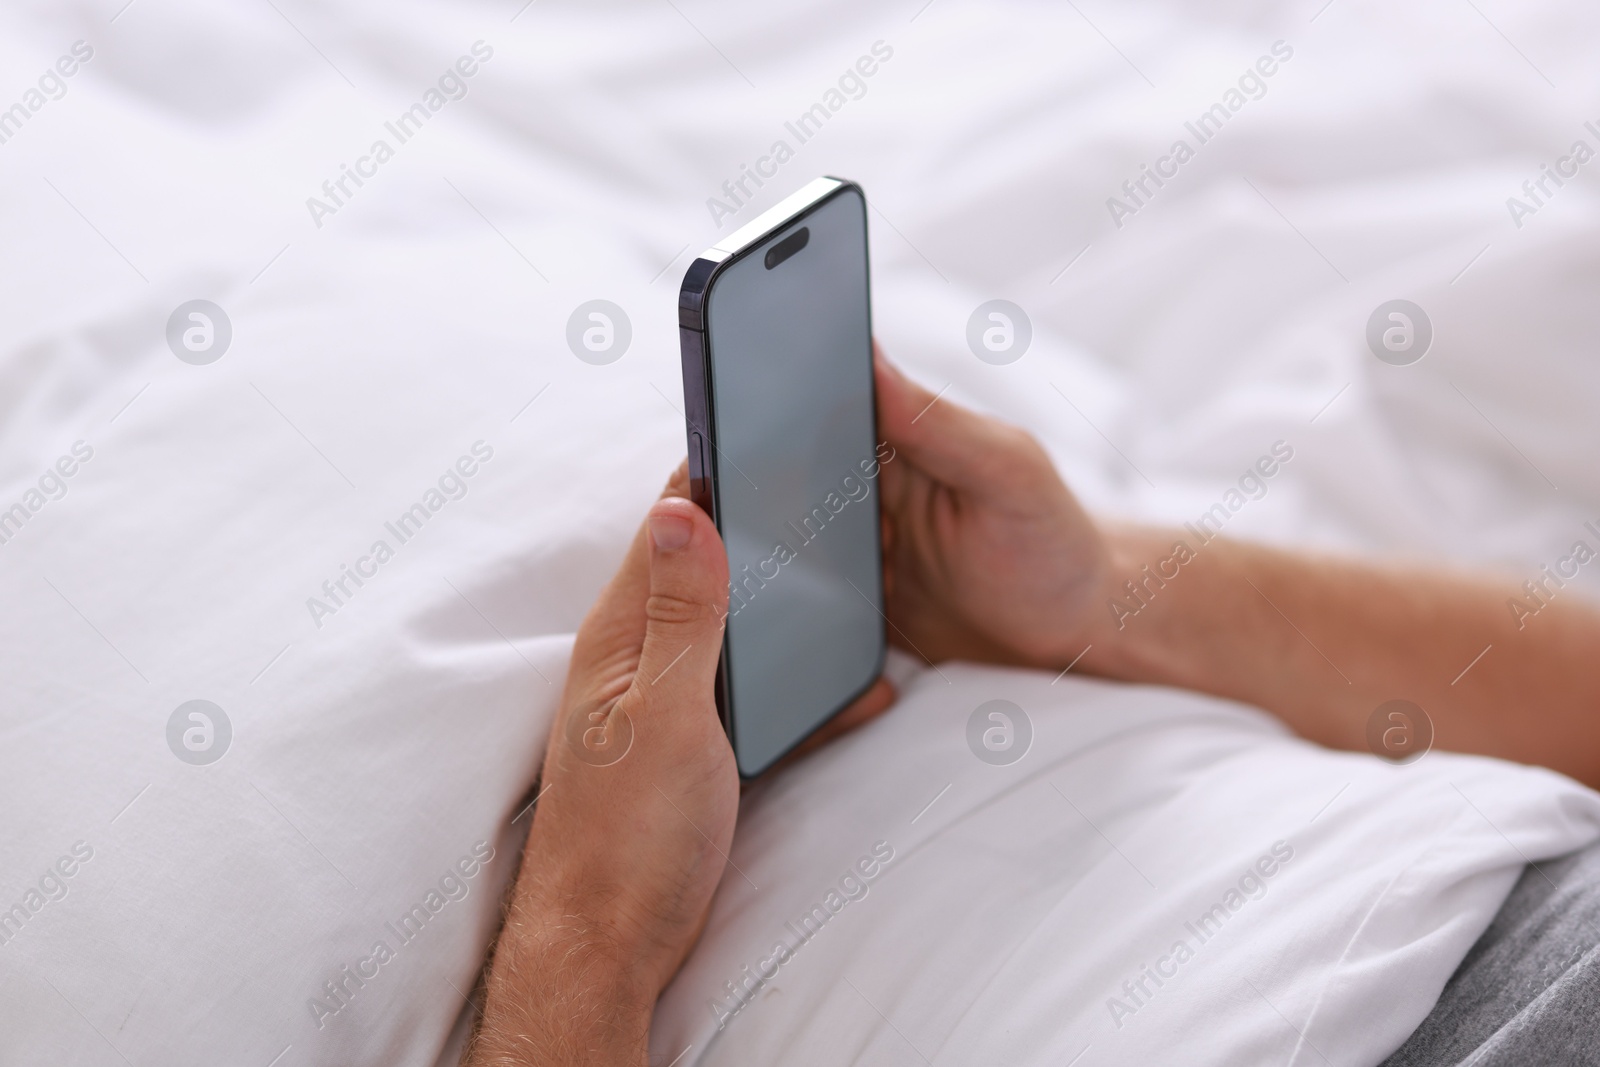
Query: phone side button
pixel 699 471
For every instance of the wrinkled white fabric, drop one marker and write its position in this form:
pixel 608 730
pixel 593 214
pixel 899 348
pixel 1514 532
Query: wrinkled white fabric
pixel 1161 874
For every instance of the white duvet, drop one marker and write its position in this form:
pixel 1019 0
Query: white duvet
pixel 397 374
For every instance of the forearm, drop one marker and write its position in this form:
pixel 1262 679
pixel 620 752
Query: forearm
pixel 558 993
pixel 1321 642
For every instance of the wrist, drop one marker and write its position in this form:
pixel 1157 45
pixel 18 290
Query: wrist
pixel 1117 628
pixel 1157 608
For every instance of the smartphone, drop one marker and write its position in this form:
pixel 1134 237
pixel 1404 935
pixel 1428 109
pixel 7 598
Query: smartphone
pixel 775 324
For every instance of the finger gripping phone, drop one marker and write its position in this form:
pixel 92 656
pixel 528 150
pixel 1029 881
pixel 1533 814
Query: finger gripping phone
pixel 776 330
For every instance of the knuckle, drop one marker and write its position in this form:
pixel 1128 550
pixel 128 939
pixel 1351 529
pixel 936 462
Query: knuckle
pixel 1029 456
pixel 1024 443
pixel 664 609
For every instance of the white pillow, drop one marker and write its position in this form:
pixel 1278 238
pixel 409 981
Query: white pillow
pixel 1159 871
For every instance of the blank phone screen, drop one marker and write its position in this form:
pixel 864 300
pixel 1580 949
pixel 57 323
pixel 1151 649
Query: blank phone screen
pixel 789 331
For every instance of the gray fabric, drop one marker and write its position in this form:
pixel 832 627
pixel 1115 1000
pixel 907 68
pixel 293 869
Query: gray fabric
pixel 1529 991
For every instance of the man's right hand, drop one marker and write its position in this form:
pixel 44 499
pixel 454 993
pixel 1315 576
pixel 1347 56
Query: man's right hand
pixel 988 556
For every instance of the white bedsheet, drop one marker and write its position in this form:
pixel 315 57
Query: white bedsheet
pixel 374 748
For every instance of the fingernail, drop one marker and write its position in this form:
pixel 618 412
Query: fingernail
pixel 669 532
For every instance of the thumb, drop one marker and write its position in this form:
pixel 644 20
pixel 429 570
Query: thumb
pixel 955 445
pixel 685 611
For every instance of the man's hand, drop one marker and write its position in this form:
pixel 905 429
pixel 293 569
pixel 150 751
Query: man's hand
pixel 639 796
pixel 988 556
pixel 636 813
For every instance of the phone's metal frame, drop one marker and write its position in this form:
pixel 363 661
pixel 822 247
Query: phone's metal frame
pixel 700 402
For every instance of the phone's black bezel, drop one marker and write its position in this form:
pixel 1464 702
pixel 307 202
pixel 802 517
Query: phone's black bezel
pixel 699 408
